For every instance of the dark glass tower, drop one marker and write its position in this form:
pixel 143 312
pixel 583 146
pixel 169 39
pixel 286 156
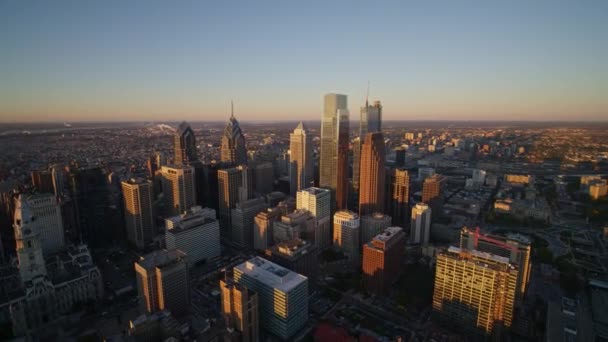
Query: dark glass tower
pixel 233 150
pixel 184 144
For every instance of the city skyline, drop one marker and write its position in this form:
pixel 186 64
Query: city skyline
pixel 522 61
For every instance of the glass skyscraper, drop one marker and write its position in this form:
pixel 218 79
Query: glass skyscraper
pixel 333 164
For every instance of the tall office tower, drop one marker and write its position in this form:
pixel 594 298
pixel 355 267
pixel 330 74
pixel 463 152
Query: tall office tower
pixel 138 196
pixel 263 175
pixel 282 295
pixel 196 233
pixel 27 238
pixel 425 172
pixel 162 281
pixel 400 192
pixel 151 166
pixel 47 222
pixel 372 225
pixel 297 255
pixel 333 163
pixel 178 188
pixel 318 202
pixel 382 260
pixel 432 189
pixel 370 122
pixel 400 156
pixel 58 173
pixel 263 228
pixel 184 145
pixel 234 185
pixel 373 174
pixel 42 180
pixel 347 235
pixel 420 227
pixel 300 159
pixel 240 310
pixel 516 247
pixel 475 291
pixel 90 193
pixel 211 185
pixel 299 224
pixel 242 221
pixel 233 150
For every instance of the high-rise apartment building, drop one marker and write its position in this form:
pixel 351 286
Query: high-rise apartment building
pixel 475 291
pixel 432 189
pixel 240 310
pixel 90 194
pixel 196 232
pixel 184 145
pixel 282 295
pixel 400 156
pixel 372 175
pixel 517 248
pixel 372 225
pixel 42 180
pixel 162 281
pixel 420 227
pixel 370 122
pixel 400 192
pixel 382 260
pixel 299 224
pixel 263 175
pixel 297 255
pixel 47 222
pixel 263 227
pixel 138 196
pixel 300 159
pixel 347 235
pixel 318 202
pixel 233 150
pixel 27 239
pixel 178 188
pixel 242 218
pixel 333 163
pixel 234 185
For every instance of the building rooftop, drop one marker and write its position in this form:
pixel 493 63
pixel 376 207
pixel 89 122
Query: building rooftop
pixel 388 233
pixel 161 258
pixel 271 274
pixel 315 191
pixel 479 254
pixel 137 181
pixel 192 218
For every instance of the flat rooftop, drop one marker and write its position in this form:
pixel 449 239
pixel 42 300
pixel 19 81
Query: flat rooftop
pixel 161 258
pixel 388 233
pixel 271 274
pixel 315 191
pixel 479 254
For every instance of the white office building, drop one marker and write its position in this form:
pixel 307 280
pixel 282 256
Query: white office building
pixel 420 228
pixel 282 295
pixel 318 202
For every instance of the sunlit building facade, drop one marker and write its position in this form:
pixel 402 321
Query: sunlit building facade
pixel 475 291
pixel 333 163
pixel 138 197
pixel 282 295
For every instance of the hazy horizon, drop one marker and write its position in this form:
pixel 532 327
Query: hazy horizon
pixel 157 61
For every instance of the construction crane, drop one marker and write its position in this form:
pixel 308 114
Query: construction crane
pixel 477 236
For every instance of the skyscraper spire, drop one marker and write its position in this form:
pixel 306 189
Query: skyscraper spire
pixel 367 95
pixel 231 109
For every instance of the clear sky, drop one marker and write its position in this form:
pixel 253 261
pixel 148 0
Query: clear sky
pixel 184 60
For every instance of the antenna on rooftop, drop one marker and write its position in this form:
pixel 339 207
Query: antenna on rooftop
pixel 367 95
